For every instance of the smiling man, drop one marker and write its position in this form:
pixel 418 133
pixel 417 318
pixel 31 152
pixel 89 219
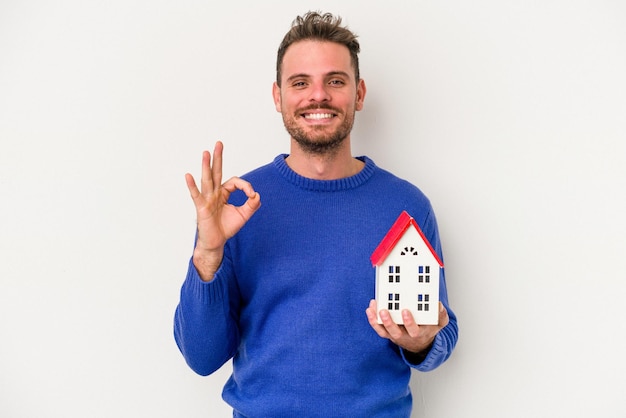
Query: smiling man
pixel 285 288
pixel 318 97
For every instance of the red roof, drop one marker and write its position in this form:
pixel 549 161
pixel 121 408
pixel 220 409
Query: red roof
pixel 396 231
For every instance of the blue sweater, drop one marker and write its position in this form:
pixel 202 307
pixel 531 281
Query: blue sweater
pixel 288 302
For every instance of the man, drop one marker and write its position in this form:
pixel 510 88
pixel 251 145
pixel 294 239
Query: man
pixel 283 288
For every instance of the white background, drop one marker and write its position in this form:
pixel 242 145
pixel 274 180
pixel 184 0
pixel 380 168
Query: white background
pixel 510 115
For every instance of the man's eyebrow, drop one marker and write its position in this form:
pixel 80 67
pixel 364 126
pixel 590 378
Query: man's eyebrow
pixel 299 75
pixel 335 73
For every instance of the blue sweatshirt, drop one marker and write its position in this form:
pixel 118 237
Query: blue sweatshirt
pixel 288 302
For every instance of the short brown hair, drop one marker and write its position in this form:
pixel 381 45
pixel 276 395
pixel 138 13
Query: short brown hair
pixel 321 27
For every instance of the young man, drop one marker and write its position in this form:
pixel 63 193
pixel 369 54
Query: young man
pixel 283 288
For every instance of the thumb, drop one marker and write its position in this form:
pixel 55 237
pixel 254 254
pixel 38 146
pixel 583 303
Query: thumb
pixel 443 316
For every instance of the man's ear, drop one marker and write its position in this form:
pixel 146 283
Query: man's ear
pixel 276 96
pixel 360 94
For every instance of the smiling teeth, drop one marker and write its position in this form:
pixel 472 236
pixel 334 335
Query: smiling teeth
pixel 318 116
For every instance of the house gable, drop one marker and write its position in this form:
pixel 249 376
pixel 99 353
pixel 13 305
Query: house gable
pixel 397 230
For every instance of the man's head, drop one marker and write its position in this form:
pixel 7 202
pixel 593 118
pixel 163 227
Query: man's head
pixel 318 88
pixel 319 27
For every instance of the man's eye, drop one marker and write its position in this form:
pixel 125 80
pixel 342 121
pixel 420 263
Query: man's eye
pixel 337 82
pixel 299 84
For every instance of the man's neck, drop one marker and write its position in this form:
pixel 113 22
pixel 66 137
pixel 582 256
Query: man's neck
pixel 333 165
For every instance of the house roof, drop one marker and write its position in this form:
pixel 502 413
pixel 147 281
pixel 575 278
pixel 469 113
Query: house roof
pixel 397 230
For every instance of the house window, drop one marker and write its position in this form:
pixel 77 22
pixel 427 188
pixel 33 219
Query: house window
pixel 423 302
pixel 394 274
pixel 393 303
pixel 424 274
pixel 408 250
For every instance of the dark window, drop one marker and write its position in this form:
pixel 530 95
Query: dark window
pixel 394 301
pixel 423 298
pixel 394 274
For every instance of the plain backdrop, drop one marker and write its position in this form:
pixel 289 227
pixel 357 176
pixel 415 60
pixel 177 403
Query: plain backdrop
pixel 509 115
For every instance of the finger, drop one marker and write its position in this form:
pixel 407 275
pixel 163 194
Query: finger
pixel 409 324
pixel 250 206
pixel 373 305
pixel 206 181
pixel 391 327
pixel 191 185
pixel 372 318
pixel 236 183
pixel 216 167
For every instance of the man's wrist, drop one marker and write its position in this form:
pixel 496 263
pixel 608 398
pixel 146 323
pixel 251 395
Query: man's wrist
pixel 207 263
pixel 419 356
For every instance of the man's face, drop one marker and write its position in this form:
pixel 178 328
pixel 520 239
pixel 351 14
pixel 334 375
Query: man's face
pixel 318 95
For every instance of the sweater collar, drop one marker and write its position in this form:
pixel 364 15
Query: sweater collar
pixel 325 185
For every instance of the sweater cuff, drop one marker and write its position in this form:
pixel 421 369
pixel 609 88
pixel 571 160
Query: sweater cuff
pixel 429 361
pixel 206 292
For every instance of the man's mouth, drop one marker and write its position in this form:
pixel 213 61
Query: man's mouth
pixel 318 116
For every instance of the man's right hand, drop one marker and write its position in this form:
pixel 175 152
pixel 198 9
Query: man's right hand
pixel 217 219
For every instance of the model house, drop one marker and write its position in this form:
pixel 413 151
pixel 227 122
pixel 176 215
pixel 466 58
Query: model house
pixel 407 273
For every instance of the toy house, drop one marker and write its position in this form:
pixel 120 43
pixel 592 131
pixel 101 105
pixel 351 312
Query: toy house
pixel 407 273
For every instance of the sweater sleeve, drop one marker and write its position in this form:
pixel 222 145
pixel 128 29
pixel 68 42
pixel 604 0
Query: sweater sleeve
pixel 205 328
pixel 441 349
pixel 446 339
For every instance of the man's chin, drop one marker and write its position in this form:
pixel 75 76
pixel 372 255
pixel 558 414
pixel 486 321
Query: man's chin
pixel 318 146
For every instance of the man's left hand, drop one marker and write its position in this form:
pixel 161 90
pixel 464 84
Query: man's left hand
pixel 410 336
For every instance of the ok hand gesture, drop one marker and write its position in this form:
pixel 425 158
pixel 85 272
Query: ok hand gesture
pixel 217 219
